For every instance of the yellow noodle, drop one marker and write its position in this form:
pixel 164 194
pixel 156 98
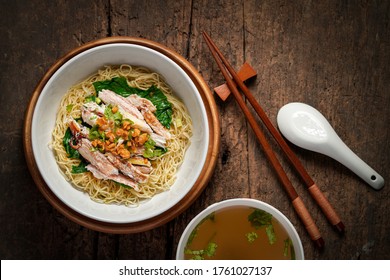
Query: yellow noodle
pixel 164 168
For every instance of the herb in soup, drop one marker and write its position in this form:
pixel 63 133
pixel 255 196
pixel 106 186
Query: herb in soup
pixel 289 248
pixel 251 236
pixel 239 232
pixel 259 218
pixel 209 251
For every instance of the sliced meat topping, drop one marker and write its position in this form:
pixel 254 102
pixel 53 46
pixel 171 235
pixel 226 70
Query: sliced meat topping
pixel 110 97
pixel 96 158
pixel 127 168
pixel 119 178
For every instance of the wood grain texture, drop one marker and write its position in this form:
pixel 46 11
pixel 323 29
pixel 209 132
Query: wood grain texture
pixel 34 36
pixel 332 55
pixel 309 53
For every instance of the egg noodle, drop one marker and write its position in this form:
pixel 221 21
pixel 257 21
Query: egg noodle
pixel 165 167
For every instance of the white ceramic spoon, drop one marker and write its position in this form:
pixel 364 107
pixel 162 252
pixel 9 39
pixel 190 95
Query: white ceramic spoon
pixel 307 128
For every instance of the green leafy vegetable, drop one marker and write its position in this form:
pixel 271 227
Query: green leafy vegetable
pixel 155 95
pixel 71 153
pixel 69 108
pixel 259 218
pixel 192 236
pixel 92 98
pixel 251 236
pixel 270 234
pixel 289 245
pixel 211 246
pixel 151 150
pixel 118 85
pixel 163 106
pixel 209 251
pixel 116 117
pixel 81 168
pixel 94 133
pixel 210 217
pixel 194 233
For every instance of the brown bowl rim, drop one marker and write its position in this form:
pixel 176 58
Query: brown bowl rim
pixel 186 201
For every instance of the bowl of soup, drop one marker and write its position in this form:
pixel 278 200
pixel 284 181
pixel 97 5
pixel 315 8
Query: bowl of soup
pixel 241 228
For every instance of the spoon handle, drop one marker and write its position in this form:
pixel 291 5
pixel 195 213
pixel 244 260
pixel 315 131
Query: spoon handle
pixel 338 150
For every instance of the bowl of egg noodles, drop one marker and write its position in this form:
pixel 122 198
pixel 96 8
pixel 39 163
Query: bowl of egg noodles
pixel 240 229
pixel 121 135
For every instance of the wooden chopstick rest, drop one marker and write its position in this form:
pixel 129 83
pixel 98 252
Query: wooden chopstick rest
pixel 245 73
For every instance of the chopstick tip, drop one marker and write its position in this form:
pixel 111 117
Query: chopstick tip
pixel 320 243
pixel 340 227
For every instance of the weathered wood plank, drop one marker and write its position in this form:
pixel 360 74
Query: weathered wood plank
pixel 34 34
pixel 230 179
pixel 327 55
pixel 166 22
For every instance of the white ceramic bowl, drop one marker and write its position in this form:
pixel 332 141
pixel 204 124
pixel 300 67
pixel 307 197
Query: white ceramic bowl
pixel 282 219
pixel 186 84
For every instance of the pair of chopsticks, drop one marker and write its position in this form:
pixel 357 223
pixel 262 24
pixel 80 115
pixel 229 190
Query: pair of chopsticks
pixel 234 81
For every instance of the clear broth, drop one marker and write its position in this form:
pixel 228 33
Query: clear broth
pixel 239 232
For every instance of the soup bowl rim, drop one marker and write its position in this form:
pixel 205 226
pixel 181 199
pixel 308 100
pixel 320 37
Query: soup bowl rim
pixel 249 202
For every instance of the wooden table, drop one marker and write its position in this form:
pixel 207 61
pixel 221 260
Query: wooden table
pixel 333 55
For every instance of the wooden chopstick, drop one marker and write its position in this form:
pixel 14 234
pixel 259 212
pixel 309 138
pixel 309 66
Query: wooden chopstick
pixel 315 192
pixel 298 204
